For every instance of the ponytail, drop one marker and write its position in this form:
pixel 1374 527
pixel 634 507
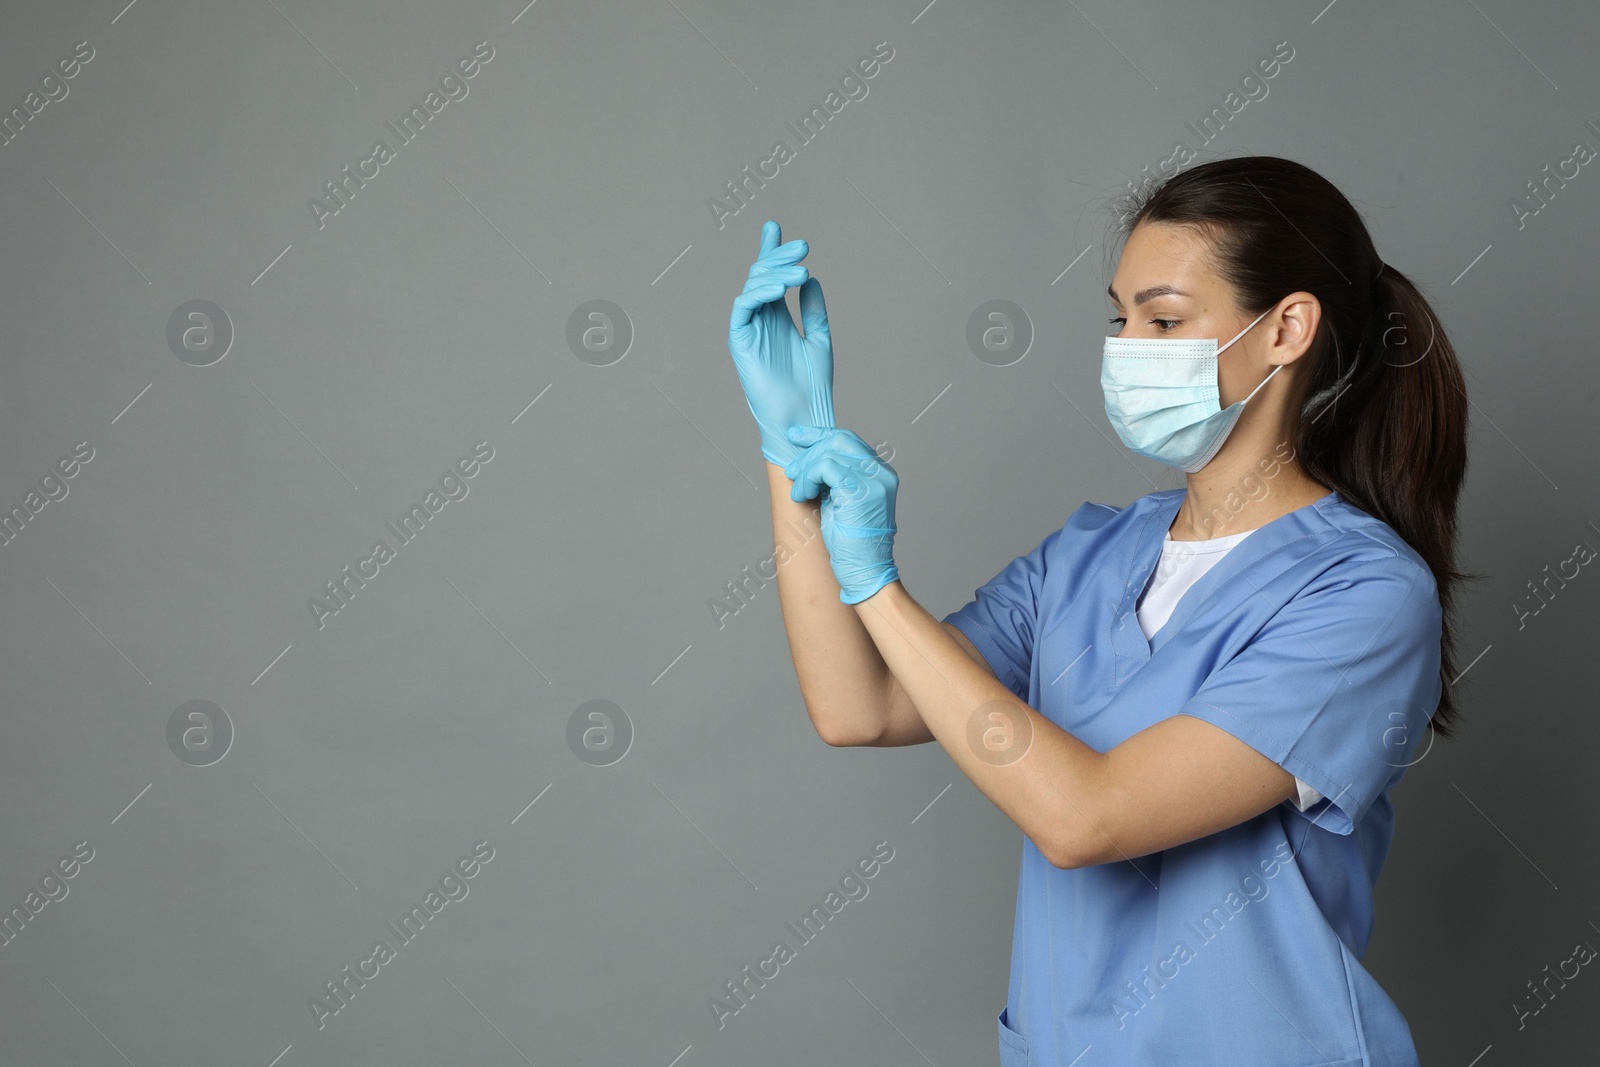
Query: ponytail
pixel 1392 439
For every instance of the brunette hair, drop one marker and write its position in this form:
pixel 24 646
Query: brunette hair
pixel 1383 406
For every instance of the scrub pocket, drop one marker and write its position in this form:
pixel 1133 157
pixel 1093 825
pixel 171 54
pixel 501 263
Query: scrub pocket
pixel 1013 1046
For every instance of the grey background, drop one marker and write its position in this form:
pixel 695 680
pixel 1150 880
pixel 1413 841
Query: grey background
pixel 369 755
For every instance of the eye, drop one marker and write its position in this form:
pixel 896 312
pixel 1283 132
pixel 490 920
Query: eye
pixel 1165 325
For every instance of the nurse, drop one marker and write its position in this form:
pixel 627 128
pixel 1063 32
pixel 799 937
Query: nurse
pixel 1194 705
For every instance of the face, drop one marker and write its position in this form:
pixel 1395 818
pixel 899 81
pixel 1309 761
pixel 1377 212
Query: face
pixel 1165 286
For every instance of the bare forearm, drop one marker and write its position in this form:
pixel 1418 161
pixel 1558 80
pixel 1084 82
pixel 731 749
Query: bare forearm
pixel 842 676
pixel 1047 781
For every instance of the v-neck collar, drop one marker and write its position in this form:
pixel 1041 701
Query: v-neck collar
pixel 1127 636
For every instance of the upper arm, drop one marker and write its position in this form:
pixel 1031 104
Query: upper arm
pixel 1172 782
pixel 1336 688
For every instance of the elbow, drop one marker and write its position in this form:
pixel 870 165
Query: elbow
pixel 1087 831
pixel 1071 855
pixel 833 738
pixel 1065 855
pixel 846 726
pixel 834 735
pixel 843 740
pixel 1083 837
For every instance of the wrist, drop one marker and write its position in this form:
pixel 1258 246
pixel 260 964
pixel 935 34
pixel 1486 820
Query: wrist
pixel 889 588
pixel 778 449
pixel 861 579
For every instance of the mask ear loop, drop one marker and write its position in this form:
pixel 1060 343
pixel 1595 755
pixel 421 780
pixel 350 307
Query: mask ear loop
pixel 1244 331
pixel 1216 446
pixel 1264 381
pixel 1240 334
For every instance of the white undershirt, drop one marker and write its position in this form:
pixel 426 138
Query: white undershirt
pixel 1181 565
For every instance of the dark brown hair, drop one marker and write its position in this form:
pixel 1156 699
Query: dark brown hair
pixel 1383 405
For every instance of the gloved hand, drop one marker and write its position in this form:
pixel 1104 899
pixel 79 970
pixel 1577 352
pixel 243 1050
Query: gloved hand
pixel 787 379
pixel 858 491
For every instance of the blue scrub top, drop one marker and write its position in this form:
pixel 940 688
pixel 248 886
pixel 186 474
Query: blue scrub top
pixel 1315 641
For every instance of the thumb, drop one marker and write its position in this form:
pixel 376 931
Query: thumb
pixel 807 435
pixel 814 311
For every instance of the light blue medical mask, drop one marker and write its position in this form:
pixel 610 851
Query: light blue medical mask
pixel 1161 396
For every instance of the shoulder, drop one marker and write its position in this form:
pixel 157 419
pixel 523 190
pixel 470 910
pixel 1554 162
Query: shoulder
pixel 1096 543
pixel 1109 528
pixel 1094 517
pixel 1095 528
pixel 1351 536
pixel 1352 550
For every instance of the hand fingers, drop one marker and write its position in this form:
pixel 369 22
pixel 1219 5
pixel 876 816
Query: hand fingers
pixel 809 438
pixel 862 460
pixel 789 274
pixel 846 444
pixel 850 457
pixel 752 298
pixel 782 278
pixel 771 238
pixel 774 271
pixel 802 470
pixel 806 436
pixel 787 269
pixel 817 468
pixel 814 311
pixel 793 252
pixel 781 256
pixel 764 288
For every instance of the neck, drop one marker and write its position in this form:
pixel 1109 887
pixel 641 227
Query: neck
pixel 1243 491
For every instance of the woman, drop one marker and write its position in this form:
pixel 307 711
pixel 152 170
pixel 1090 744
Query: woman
pixel 1194 706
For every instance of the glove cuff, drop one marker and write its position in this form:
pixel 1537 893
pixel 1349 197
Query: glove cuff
pixel 868 585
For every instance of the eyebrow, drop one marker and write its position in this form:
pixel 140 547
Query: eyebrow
pixel 1148 294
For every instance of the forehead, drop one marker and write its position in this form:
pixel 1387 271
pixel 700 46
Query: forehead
pixel 1159 258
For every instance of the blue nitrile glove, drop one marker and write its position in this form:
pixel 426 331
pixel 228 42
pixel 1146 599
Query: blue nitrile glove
pixel 858 492
pixel 787 379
